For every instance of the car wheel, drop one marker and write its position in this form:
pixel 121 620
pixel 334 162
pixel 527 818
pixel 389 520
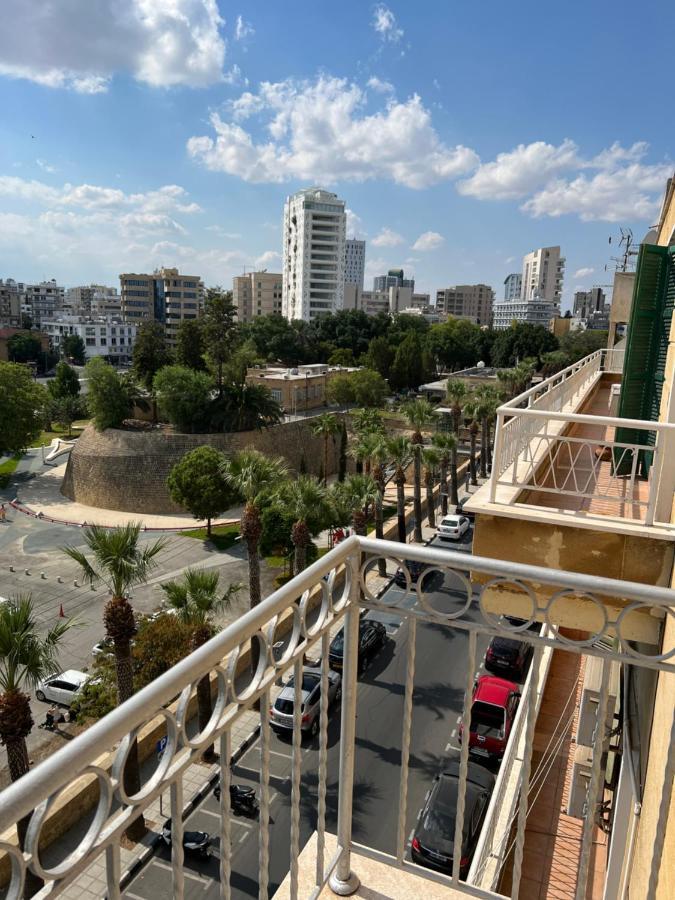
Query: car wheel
pixel 314 730
pixel 40 696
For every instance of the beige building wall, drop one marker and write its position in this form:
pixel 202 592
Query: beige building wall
pixel 297 389
pixel 467 301
pixel 183 298
pixel 257 294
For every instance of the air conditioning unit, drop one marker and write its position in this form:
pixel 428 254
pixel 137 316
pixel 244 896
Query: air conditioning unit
pixel 581 777
pixel 590 699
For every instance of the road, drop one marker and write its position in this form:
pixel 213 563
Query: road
pixel 440 676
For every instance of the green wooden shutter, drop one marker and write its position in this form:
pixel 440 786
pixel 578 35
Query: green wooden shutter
pixel 646 350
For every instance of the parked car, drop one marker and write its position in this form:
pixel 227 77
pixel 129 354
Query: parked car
pixel 415 569
pixel 281 714
pixel 103 647
pixel 508 656
pixel 461 511
pixel 433 840
pixel 493 709
pixel 62 688
pixel 372 637
pixel 451 528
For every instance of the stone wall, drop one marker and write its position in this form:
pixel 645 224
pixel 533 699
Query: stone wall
pixel 127 470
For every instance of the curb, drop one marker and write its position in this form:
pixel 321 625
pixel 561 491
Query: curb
pixel 189 807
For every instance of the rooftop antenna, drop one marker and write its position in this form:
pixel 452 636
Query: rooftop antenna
pixel 625 261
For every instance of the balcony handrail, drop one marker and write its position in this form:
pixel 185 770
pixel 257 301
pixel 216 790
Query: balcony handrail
pixel 545 387
pixel 585 419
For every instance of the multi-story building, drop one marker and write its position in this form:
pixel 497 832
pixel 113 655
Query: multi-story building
pixel 257 294
pixel 588 302
pixel 78 300
pixel 533 312
pixel 107 337
pixel 392 301
pixel 166 296
pixel 10 304
pixel 473 301
pixel 393 278
pixel 42 300
pixel 313 254
pixel 543 273
pixel 355 262
pixel 297 389
pixel 513 286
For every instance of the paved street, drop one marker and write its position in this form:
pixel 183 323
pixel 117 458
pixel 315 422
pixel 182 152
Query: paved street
pixel 439 682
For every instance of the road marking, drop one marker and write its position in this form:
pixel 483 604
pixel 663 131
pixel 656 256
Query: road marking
pixel 242 838
pixel 134 896
pixel 198 878
pixel 453 734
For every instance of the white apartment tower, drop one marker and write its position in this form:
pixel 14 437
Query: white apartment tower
pixel 355 262
pixel 314 254
pixel 543 272
pixel 513 285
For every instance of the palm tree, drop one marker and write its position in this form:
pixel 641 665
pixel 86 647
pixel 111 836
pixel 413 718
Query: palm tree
pixel 325 426
pixel 360 451
pixel 400 450
pixel 120 564
pixel 456 393
pixel 251 474
pixel 473 411
pixel 197 600
pixel 356 493
pixel 366 419
pixel 307 500
pixel 27 656
pixel 489 404
pixel 432 459
pixel 446 444
pixel 418 413
pixel 379 454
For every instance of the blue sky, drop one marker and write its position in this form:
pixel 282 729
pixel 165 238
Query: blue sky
pixel 137 133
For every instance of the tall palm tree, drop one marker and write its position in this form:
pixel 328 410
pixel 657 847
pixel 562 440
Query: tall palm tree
pixel 446 444
pixel 27 656
pixel 400 451
pixel 307 500
pixel 120 563
pixel 197 600
pixel 360 451
pixel 456 393
pixel 379 455
pixel 366 419
pixel 489 404
pixel 325 426
pixel 473 411
pixel 418 413
pixel 356 493
pixel 432 459
pixel 251 474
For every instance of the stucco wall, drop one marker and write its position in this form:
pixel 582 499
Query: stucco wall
pixel 127 470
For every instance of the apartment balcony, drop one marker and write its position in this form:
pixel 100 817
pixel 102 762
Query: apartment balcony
pixel 343 806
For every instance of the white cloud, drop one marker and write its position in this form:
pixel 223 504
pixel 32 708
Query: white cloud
pixel 387 238
pixel 242 29
pixel 80 46
pixel 583 272
pixel 269 260
pixel 354 224
pixel 319 132
pixel 380 85
pixel 517 173
pixel 385 24
pixel 430 240
pixel 220 231
pixel 45 166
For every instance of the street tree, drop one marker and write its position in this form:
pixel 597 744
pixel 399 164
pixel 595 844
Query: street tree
pixel 400 451
pixel 445 444
pixel 22 401
pixel 244 407
pixel 108 395
pixel 65 383
pixel 64 411
pixel 150 353
pixel 73 349
pixel 431 458
pixel 325 426
pixel 456 393
pixel 219 330
pixel 357 493
pixel 418 414
pixel 119 562
pixel 489 402
pixel 189 350
pixel 473 411
pixel 196 483
pixel 307 501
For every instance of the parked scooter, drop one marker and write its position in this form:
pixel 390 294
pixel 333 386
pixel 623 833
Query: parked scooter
pixel 242 799
pixel 193 841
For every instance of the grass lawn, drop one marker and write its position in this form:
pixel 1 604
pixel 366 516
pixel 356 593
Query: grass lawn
pixel 46 437
pixel 222 536
pixel 7 469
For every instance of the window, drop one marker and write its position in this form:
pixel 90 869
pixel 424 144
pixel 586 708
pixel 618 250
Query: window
pixel 276 395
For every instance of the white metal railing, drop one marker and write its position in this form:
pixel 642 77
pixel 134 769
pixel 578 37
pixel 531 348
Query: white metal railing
pixel 336 589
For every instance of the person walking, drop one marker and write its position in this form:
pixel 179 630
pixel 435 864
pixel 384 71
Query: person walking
pixel 3 513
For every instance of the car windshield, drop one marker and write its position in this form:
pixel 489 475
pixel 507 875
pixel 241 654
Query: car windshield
pixel 486 714
pixel 452 522
pixel 284 706
pixel 309 681
pixel 338 644
pixel 440 815
pixel 505 645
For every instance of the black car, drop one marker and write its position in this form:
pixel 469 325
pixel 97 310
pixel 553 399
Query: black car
pixel 372 637
pixel 433 840
pixel 507 656
pixel 460 509
pixel 415 569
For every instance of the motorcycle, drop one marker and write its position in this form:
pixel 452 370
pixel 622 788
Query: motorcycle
pixel 242 799
pixel 193 841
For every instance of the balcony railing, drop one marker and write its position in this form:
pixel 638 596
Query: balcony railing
pixel 297 619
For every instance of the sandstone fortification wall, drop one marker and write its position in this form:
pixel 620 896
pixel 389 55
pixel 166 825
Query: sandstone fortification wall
pixel 127 469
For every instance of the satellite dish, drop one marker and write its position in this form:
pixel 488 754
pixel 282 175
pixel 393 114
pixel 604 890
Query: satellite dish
pixel 480 365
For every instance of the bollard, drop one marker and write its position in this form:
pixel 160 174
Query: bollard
pixel 59 579
pixel 76 584
pixel 26 571
pixel 42 575
pixel 11 568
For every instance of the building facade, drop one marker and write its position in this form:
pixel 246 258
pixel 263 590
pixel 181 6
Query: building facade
pixel 257 294
pixel 393 278
pixel 543 274
pixel 355 262
pixel 535 312
pixel 297 389
pixel 513 286
pixel 112 339
pixel 10 304
pixel 472 301
pixel 42 301
pixel 79 299
pixel 392 301
pixel 313 254
pixel 166 296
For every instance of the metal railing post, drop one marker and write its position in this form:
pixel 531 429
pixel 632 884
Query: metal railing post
pixel 496 457
pixel 343 881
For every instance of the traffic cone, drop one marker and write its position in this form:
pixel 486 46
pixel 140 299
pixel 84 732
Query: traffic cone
pixel 62 615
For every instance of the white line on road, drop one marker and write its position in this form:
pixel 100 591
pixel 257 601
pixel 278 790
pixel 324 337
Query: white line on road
pixel 198 878
pixel 453 734
pixel 134 896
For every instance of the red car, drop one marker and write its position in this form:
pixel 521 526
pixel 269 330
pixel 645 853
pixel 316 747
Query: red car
pixel 493 709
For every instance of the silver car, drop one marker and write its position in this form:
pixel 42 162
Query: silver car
pixel 451 528
pixel 281 714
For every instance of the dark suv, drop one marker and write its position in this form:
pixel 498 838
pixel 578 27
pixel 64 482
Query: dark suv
pixel 372 637
pixel 507 656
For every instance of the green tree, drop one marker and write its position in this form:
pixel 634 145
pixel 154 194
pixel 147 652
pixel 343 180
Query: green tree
pixel 520 341
pixel 473 411
pixel 418 414
pixel 307 501
pixel 364 387
pixel 325 426
pixel 432 460
pixel 196 483
pixel 343 356
pixel 340 390
pixel 73 349
pixel 108 395
pixel 65 383
pixel 219 329
pixel 357 493
pixel 455 344
pixel 24 347
pixel 120 563
pixel 380 355
pixel 22 400
pixel 27 656
pixel 64 411
pixel 342 458
pixel 276 530
pixel 198 600
pixel 189 350
pixel 489 402
pixel 275 338
pixel 554 362
pixel 400 451
pixel 160 643
pixel 252 475
pixel 379 454
pixel 150 353
pixel 456 393
pixel 184 396
pixel 446 445
pixel 578 343
pixel 515 381
pixel 366 419
pixel 244 407
pixel 412 365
